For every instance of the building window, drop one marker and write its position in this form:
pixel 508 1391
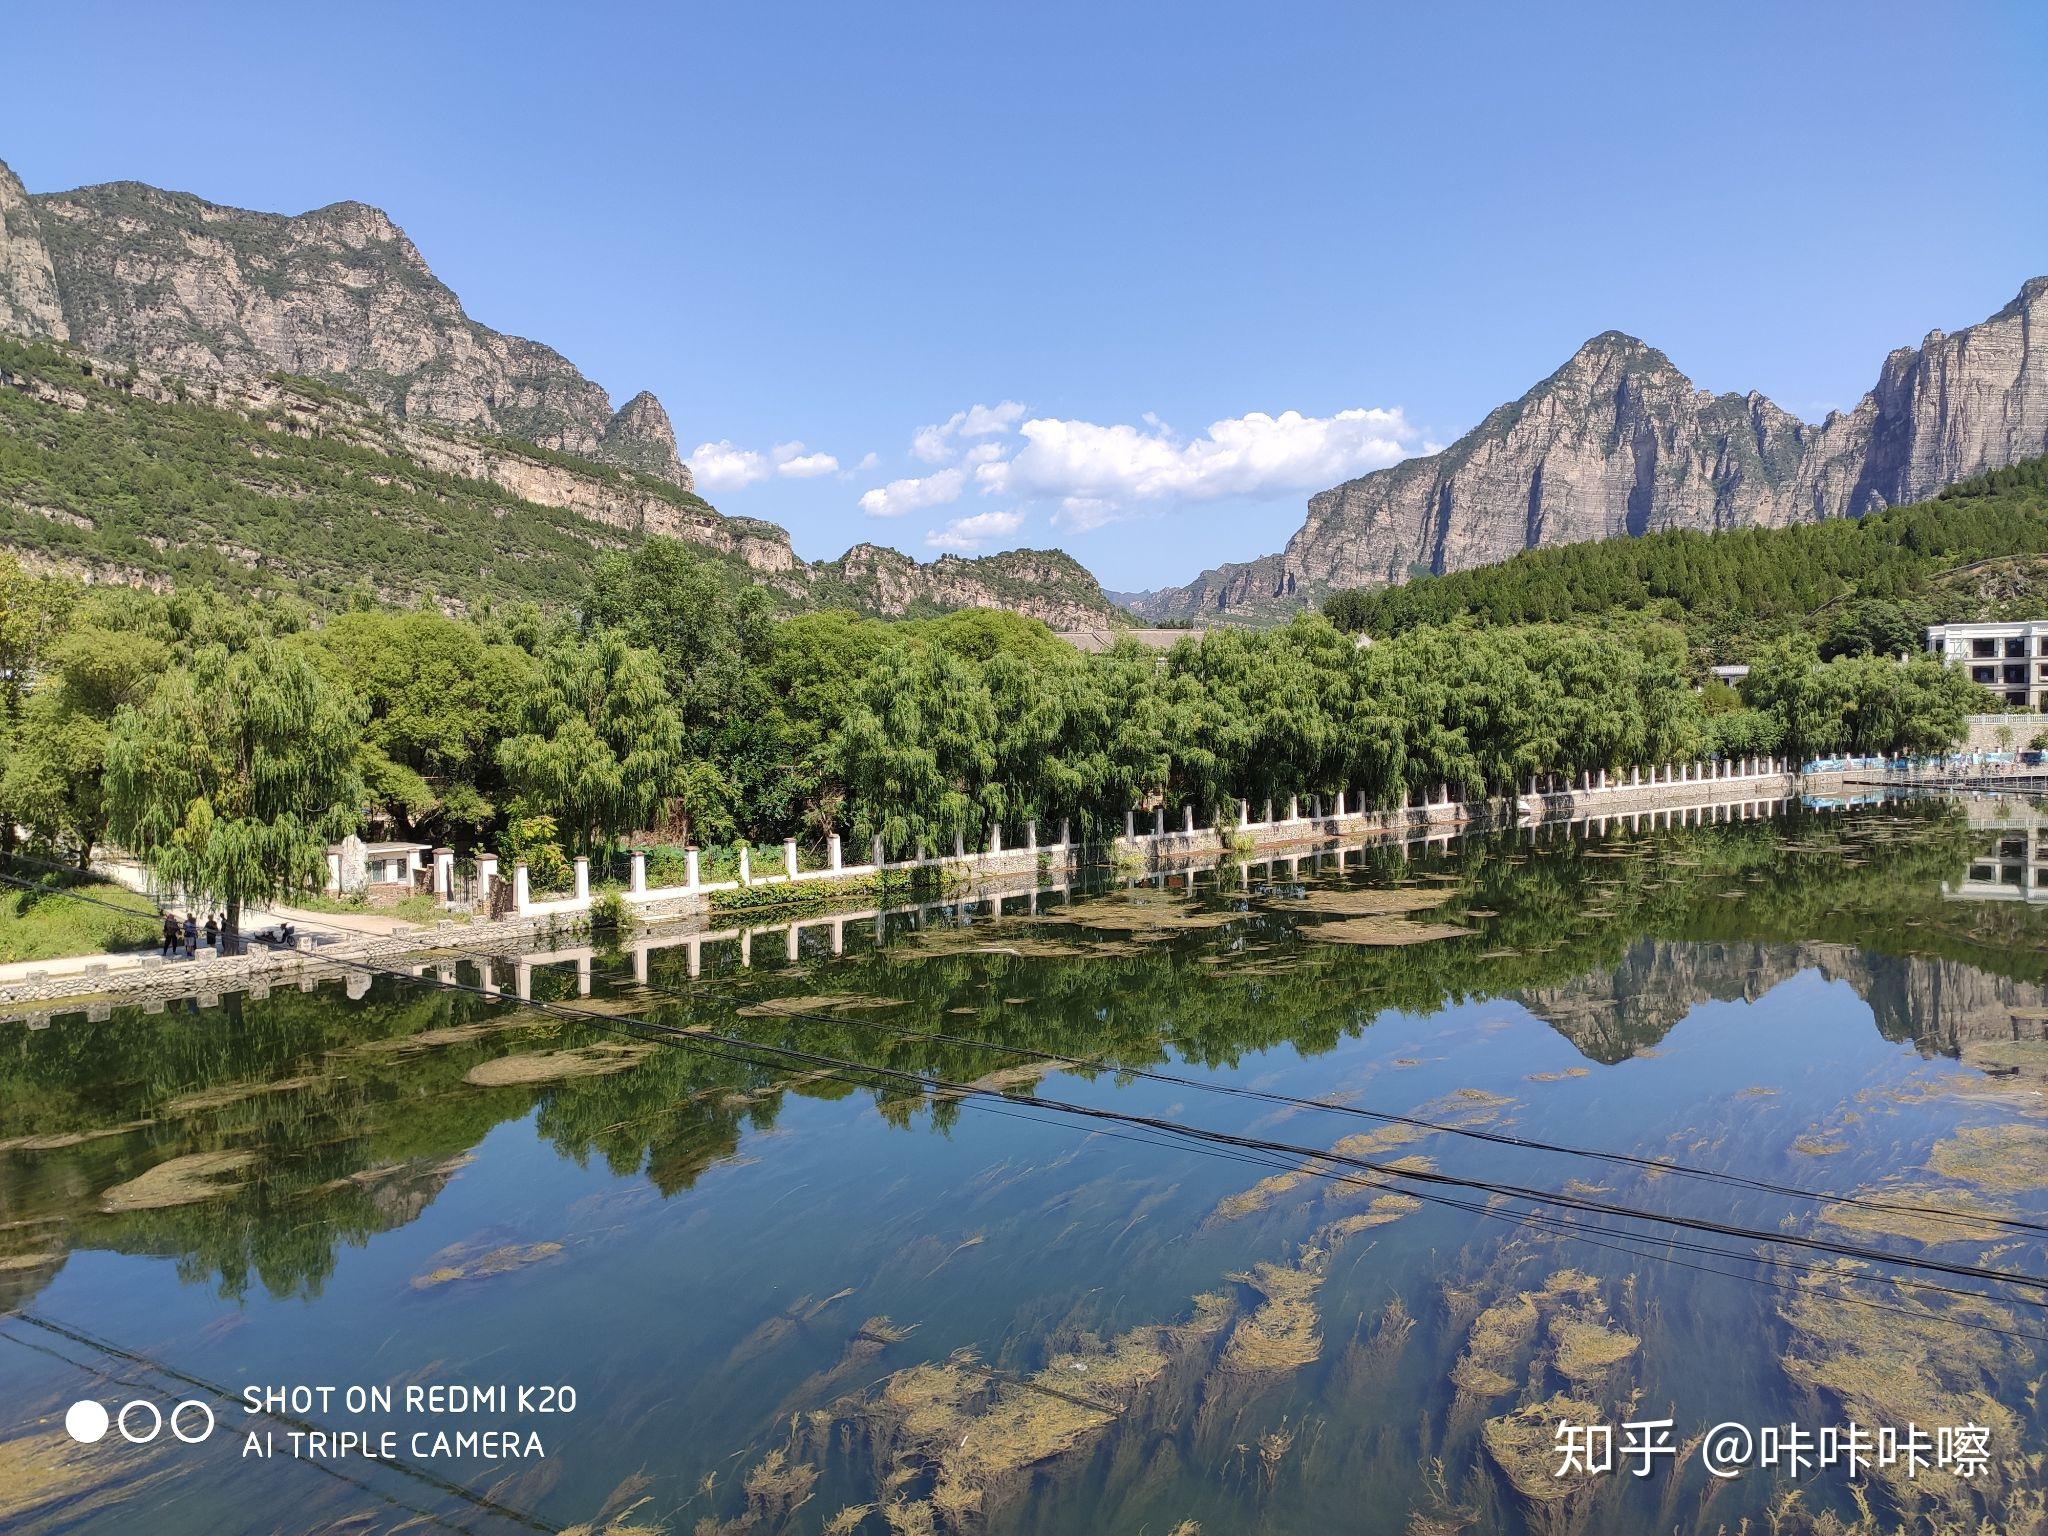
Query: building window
pixel 2015 674
pixel 2019 699
pixel 2015 647
pixel 1983 647
pixel 1983 674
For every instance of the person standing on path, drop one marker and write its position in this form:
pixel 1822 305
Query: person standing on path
pixel 191 934
pixel 212 932
pixel 172 934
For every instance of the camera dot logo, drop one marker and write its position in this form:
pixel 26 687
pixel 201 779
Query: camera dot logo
pixel 86 1421
pixel 139 1421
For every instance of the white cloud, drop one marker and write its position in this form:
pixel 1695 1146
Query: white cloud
pixel 914 495
pixel 791 460
pixel 970 533
pixel 867 461
pixel 1080 514
pixel 723 466
pixel 937 443
pixel 1097 471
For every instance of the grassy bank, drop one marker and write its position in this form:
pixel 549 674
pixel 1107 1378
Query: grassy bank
pixel 47 924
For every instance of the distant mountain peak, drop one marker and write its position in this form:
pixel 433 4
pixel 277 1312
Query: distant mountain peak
pixel 339 293
pixel 1618 442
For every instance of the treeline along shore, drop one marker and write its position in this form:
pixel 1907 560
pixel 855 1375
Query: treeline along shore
pixel 229 741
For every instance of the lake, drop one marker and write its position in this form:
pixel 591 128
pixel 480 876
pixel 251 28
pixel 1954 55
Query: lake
pixel 1282 1198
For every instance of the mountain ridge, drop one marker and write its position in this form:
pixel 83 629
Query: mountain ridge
pixel 1617 441
pixel 330 324
pixel 172 281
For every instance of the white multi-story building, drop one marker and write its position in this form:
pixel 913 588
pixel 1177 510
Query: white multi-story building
pixel 2009 659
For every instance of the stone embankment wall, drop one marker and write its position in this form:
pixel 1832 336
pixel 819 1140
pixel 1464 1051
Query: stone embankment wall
pixel 2002 733
pixel 1678 794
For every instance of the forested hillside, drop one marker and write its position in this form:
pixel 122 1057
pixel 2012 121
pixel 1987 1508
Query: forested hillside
pixel 131 489
pixel 1978 550
pixel 288 487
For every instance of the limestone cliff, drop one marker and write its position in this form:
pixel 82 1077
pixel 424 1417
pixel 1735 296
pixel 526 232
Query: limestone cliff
pixel 170 281
pixel 1618 442
pixel 29 305
pixel 234 483
pixel 227 309
pixel 1042 584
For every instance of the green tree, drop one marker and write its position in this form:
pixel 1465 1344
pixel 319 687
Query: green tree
pixel 53 780
pixel 600 748
pixel 235 774
pixel 440 698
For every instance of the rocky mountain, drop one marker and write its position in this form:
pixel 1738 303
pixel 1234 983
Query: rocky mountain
pixel 1045 584
pixel 169 281
pixel 273 484
pixel 1618 442
pixel 299 404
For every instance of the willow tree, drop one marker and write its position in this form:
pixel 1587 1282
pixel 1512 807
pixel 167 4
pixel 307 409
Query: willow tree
pixel 235 775
pixel 917 750
pixel 601 746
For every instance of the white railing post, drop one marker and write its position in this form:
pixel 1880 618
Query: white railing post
pixel 582 880
pixel 639 876
pixel 1031 836
pixel 1130 823
pixel 875 850
pixel 522 890
pixel 1187 818
pixel 746 866
pixel 1159 821
pixel 995 839
pixel 834 856
pixel 690 868
pixel 1294 807
pixel 486 879
pixel 789 858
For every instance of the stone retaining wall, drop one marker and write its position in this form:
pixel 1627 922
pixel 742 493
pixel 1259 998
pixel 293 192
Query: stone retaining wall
pixel 972 876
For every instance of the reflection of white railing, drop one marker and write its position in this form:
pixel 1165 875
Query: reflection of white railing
pixel 514 972
pixel 1303 815
pixel 1428 827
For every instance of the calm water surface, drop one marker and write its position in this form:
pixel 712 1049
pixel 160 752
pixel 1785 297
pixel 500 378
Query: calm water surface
pixel 793 1289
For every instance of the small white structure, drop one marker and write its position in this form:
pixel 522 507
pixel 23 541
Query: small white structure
pixel 2010 659
pixel 355 866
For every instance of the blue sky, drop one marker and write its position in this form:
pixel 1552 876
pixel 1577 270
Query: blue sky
pixel 1134 235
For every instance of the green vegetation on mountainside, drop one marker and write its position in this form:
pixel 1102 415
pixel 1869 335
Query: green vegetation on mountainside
pixel 1978 550
pixel 207 499
pixel 172 493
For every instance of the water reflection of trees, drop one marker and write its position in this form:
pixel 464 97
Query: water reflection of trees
pixel 364 1135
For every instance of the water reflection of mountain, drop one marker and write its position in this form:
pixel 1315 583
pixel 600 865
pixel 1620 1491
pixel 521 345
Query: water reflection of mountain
pixel 1941 1003
pixel 355 1114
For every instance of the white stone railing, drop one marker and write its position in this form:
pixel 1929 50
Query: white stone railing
pixel 1299 811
